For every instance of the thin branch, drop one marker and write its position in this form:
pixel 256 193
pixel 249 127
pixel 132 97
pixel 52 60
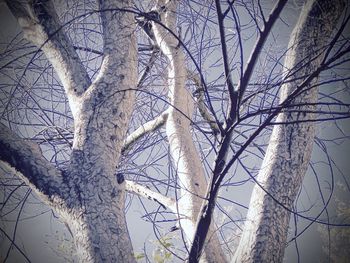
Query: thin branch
pixel 152 60
pixel 145 129
pixel 274 15
pixel 13 239
pixel 199 95
pixel 14 244
pixel 164 201
pixel 233 93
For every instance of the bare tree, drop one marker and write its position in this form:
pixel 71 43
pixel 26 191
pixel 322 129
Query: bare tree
pixel 83 111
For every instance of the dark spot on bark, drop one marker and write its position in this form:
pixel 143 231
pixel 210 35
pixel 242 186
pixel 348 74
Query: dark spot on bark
pixel 196 184
pixel 78 192
pixel 114 193
pixel 122 76
pixel 113 138
pixel 99 197
pixel 114 111
pixel 290 141
pixel 154 15
pixel 120 178
pixel 174 228
pixel 115 230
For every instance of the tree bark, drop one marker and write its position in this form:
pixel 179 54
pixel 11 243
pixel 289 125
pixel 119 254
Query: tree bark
pixel 289 151
pixel 93 200
pixel 191 176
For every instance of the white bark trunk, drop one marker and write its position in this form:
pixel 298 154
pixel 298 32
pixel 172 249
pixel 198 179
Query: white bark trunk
pixel 289 151
pixel 191 177
pixel 99 225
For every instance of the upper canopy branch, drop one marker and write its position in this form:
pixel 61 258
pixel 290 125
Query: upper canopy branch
pixel 40 25
pixel 248 71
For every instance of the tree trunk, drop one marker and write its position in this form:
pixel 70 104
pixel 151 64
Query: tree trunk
pixel 189 169
pixel 93 200
pixel 289 151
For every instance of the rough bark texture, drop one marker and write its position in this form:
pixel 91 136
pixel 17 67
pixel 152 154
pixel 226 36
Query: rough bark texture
pixel 27 158
pixel 191 177
pixel 289 151
pixel 93 198
pixel 104 112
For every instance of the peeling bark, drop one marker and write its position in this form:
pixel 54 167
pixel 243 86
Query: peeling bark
pixel 289 150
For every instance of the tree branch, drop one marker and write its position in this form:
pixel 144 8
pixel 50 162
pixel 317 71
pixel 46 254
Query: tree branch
pixel 207 209
pixel 290 147
pixel 40 25
pixel 164 201
pixel 26 158
pixel 188 165
pixel 152 60
pixel 145 129
pixel 233 93
pixel 199 95
pixel 248 71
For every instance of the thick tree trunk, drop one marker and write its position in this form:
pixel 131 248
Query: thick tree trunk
pixel 189 169
pixel 289 151
pixel 93 200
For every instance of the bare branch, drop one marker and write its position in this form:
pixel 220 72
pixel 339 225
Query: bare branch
pixel 190 172
pixel 233 93
pixel 152 59
pixel 33 168
pixel 248 71
pixel 290 147
pixel 145 192
pixel 199 95
pixel 144 129
pixel 40 25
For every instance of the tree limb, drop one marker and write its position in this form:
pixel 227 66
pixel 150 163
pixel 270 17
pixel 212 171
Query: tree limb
pixel 199 95
pixel 164 201
pixel 40 25
pixel 207 209
pixel 145 129
pixel 188 165
pixel 26 158
pixel 290 147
